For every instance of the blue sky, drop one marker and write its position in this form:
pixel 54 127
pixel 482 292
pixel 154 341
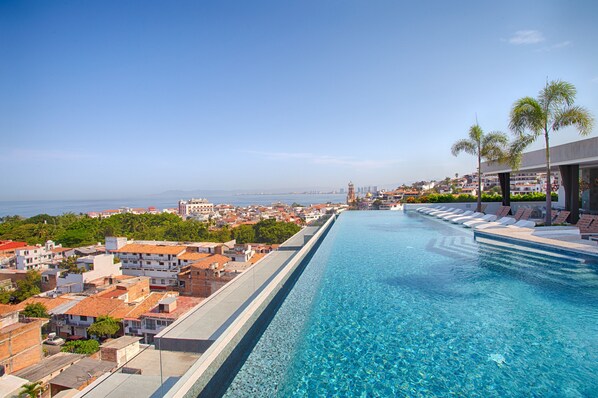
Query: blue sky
pixel 113 99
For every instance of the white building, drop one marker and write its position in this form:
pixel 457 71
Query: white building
pixel 39 257
pixel 159 262
pixel 91 268
pixel 195 207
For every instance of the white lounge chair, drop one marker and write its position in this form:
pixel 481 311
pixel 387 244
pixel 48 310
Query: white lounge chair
pixel 452 213
pixel 423 208
pixel 444 213
pixel 435 208
pixel 463 218
pixel 479 221
pixel 523 224
pixel 500 223
pixel 452 216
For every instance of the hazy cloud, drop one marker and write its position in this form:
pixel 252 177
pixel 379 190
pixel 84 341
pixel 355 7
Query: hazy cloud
pixel 326 159
pixel 526 37
pixel 555 46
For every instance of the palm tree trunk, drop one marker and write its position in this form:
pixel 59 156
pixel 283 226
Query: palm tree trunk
pixel 548 184
pixel 479 208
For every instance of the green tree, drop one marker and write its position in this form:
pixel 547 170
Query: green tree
pixel 85 347
pixel 35 310
pixel 551 111
pixel 31 390
pixel 104 326
pixel 244 234
pixel 5 296
pixel 30 286
pixel 490 147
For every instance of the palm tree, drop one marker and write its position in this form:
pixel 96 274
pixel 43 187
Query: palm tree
pixel 551 111
pixel 31 390
pixel 490 147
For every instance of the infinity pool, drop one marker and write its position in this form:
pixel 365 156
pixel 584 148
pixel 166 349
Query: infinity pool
pixel 396 304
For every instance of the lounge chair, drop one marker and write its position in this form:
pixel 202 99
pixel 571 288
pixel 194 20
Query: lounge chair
pixel 423 208
pixel 588 225
pixel 500 223
pixel 452 213
pixel 561 217
pixel 433 209
pixel 447 211
pixel 523 224
pixel 501 212
pixel 462 218
pixel 478 221
pixel 452 216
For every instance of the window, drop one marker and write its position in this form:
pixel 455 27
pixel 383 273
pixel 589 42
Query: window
pixel 153 281
pixel 161 262
pixel 162 281
pixel 83 318
pixel 150 324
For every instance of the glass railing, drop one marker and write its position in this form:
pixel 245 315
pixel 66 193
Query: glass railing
pixel 185 355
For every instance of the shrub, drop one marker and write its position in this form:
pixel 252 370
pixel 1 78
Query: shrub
pixel 86 347
pixel 36 310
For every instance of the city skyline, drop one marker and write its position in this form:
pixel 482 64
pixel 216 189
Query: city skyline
pixel 107 100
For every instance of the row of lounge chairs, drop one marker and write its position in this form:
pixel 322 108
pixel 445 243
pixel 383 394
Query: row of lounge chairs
pixel 479 220
pixel 587 224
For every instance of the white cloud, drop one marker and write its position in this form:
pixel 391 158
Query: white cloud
pixel 554 46
pixel 526 37
pixel 327 159
pixel 561 44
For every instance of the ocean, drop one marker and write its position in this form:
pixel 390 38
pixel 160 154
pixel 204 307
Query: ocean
pixel 29 208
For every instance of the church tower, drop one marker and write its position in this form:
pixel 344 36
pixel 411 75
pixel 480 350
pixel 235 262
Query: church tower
pixel 351 194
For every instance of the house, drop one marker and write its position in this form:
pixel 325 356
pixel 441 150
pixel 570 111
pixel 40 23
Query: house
pixel 49 368
pixel 76 320
pixel 79 375
pixel 89 268
pixel 8 250
pixel 20 342
pixel 131 316
pixel 165 313
pixel 204 277
pixel 39 257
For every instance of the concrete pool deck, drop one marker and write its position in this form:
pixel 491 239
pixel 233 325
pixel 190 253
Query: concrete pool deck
pixel 560 239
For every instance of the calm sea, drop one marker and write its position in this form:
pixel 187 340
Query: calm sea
pixel 57 207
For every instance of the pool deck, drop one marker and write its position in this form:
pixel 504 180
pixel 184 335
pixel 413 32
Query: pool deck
pixel 560 239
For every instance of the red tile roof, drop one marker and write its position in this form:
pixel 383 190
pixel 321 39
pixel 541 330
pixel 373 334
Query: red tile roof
pixel 96 306
pixel 12 245
pixel 151 249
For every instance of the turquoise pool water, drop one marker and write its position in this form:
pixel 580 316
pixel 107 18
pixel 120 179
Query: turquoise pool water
pixel 396 304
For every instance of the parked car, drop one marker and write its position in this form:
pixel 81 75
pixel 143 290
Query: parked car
pixel 54 340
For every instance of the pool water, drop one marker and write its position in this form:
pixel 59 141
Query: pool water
pixel 400 304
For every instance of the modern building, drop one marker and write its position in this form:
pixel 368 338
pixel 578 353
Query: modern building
pixel 159 262
pixel 194 207
pixel 575 162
